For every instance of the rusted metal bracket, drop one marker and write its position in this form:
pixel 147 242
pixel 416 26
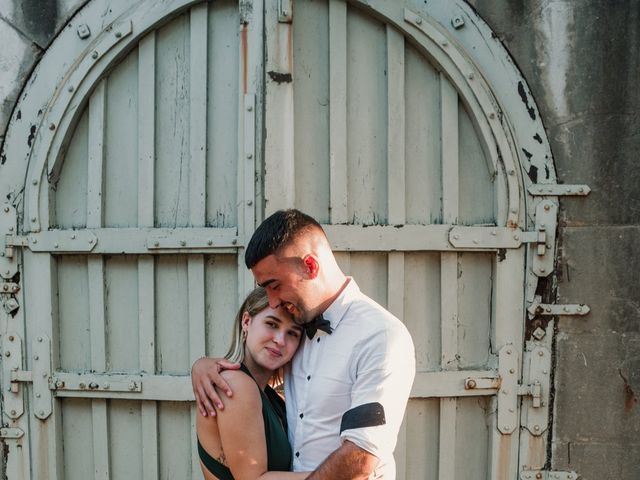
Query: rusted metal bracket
pixel 551 309
pixel 556 190
pixel 285 11
pixel 92 382
pixel 547 475
pixel 537 371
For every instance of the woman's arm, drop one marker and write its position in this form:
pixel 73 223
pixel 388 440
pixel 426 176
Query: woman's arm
pixel 242 435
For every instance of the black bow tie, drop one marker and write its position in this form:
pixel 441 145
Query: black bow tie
pixel 318 323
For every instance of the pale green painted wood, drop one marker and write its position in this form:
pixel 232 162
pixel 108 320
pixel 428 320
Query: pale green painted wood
pixel 370 271
pixel 174 440
pixel 73 313
pixel 121 145
pixel 126 440
pixel 423 430
pixel 77 437
pixel 423 140
pixel 472 439
pixel 311 108
pixel 222 120
pixel 220 286
pixel 366 119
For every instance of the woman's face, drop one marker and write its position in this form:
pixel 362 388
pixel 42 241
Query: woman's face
pixel 272 337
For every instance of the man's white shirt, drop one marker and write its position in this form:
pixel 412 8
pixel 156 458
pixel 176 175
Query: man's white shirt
pixel 365 367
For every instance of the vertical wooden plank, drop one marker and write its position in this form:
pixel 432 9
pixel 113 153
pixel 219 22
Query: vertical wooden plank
pixel 96 278
pixel 449 276
pixel 396 196
pixel 338 111
pixel 197 193
pixel 279 144
pixel 146 267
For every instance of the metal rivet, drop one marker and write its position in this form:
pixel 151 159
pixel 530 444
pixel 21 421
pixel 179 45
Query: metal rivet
pixel 73 236
pixel 508 352
pixel 536 427
pixel 470 75
pixel 511 410
pixel 81 385
pixel 94 54
pixel 494 233
pixel 516 237
pixel 419 21
pixel 234 241
pixel 34 240
pixel 209 242
pixel 41 413
pixel 33 219
pixel 579 309
pixel 132 386
pixel 513 210
pixel 52 126
pixel 541 353
pixel 542 225
pixel 70 88
pixel 83 31
pixel 475 240
pixel 249 156
pixel 11 338
pixel 542 270
pixel 538 475
pixel 36 357
pixel 581 189
pixel 492 115
pixel 7 353
pixel 5 287
pixel 13 412
pixel 34 182
pixel 249 108
pixel 37 395
pixel 456 236
pixel 540 190
pixel 118 34
pixel 471 384
pixel 6 209
pixel 444 43
pixel 548 309
pixel 545 372
pixel 55 245
pixel 156 244
pixel 40 339
pixel 457 22
pixel 183 243
pixel 511 370
pixel 506 427
pixel 249 202
pixel 547 207
pixel 512 172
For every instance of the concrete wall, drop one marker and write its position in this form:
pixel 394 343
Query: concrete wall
pixel 582 61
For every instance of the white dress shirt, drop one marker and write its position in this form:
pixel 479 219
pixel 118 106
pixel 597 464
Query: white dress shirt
pixel 367 362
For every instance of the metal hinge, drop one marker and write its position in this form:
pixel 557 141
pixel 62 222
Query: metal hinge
pixel 544 238
pixel 547 475
pixel 537 308
pixel 11 433
pixel 556 190
pixel 14 375
pixel 510 390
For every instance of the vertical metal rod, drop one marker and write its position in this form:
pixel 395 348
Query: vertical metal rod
pixel 449 275
pixel 95 266
pixel 338 174
pixel 396 193
pixel 146 266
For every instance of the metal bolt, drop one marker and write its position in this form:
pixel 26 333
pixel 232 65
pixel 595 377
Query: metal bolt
pixel 234 241
pixel 548 309
pixel 52 126
pixel 249 156
pixel 539 333
pixel 249 202
pixel 536 428
pixel 6 209
pixel 40 339
pixel 511 370
pixel 118 34
pixel 183 243
pixel 249 108
pixel 132 386
pixel 492 115
pixel 35 357
pixel 538 475
pixel 41 413
pixel 94 54
pixel 512 172
pixel 5 287
pixel 457 22
pixel 516 237
pixel 542 270
pixel 470 75
pixel 83 31
pixel 13 412
pixel 156 244
pixel 209 242
pixel 506 427
pixel 509 352
pixel 73 236
pixel 34 182
pixel 579 309
pixel 418 21
pixel 59 384
pixel 38 395
pixel 471 384
pixel 70 88
pixel 34 219
pixel 93 385
pixel 81 385
pixel 7 353
pixel 540 353
pixel 11 337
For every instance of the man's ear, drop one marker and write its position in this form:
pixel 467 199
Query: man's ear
pixel 312 265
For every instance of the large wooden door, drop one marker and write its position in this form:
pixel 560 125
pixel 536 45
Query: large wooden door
pixel 151 140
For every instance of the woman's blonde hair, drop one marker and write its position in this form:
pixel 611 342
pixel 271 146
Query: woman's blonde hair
pixel 255 302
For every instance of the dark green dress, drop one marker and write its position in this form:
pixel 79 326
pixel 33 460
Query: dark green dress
pixel 275 429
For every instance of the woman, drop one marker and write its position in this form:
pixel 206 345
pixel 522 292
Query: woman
pixel 248 439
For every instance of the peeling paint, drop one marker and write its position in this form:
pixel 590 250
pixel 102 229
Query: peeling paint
pixel 32 135
pixel 280 77
pixel 525 99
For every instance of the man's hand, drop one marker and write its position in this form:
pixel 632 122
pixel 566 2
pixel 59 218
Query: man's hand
pixel 205 374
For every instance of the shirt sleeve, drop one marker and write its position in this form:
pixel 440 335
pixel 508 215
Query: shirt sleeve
pixel 384 369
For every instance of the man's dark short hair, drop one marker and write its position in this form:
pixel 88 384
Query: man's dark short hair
pixel 276 232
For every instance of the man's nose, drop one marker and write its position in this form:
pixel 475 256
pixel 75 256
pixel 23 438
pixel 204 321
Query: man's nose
pixel 274 300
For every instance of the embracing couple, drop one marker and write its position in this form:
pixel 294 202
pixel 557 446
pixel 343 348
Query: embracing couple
pixel 347 365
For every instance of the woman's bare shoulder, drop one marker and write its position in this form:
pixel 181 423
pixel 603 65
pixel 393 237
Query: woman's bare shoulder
pixel 244 388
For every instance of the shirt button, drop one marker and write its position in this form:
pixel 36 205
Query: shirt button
pixel 318 340
pixel 308 377
pixel 297 454
pixel 302 415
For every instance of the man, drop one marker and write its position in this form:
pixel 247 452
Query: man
pixel 347 387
